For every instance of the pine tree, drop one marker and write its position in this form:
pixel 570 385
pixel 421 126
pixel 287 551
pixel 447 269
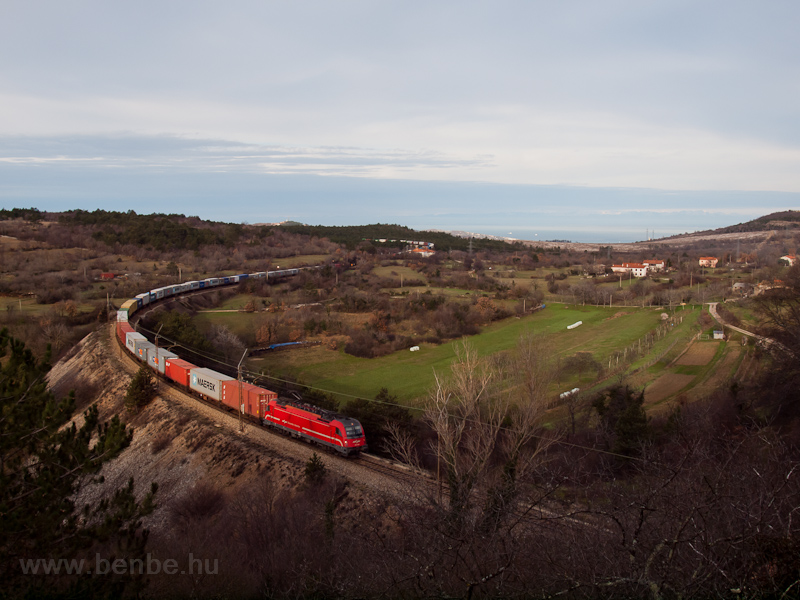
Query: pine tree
pixel 44 460
pixel 141 390
pixel 315 469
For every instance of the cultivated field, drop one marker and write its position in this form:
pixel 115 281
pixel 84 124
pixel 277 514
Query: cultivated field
pixel 699 353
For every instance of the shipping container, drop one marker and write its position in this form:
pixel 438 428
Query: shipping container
pixel 129 306
pixel 156 359
pixel 207 382
pixel 254 398
pixel 122 315
pixel 130 341
pixel 142 348
pixel 123 329
pixel 144 298
pixel 178 370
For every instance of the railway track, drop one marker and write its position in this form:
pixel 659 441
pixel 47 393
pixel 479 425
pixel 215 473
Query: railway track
pixel 365 462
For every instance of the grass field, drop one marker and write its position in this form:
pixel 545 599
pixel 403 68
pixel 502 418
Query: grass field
pixel 410 375
pixel 29 306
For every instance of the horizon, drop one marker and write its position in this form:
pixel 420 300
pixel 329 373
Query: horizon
pixel 521 119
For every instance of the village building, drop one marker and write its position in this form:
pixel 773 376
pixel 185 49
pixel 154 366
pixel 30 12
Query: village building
pixel 655 265
pixel 708 261
pixel 637 269
pixel 790 259
pixel 422 252
pixel 741 288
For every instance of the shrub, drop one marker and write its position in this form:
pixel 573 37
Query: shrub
pixel 315 470
pixel 141 390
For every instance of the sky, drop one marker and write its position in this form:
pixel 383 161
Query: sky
pixel 595 120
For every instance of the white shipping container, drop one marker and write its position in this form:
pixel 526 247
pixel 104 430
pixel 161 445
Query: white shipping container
pixel 207 382
pixel 122 315
pixel 131 338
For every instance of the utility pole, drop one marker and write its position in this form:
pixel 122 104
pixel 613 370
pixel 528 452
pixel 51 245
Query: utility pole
pixel 157 356
pixel 241 399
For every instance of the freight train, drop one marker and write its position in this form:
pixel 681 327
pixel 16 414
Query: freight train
pixel 326 428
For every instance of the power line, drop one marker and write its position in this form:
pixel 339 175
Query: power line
pixel 257 375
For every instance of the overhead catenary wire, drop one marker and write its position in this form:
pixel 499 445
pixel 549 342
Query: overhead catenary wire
pixel 256 375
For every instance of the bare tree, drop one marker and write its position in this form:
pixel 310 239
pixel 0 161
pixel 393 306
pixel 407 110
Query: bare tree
pixel 489 409
pixel 227 342
pixel 466 414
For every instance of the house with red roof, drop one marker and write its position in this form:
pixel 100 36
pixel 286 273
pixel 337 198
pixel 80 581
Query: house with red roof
pixel 708 261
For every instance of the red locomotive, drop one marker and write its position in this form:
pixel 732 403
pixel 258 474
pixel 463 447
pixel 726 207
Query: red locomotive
pixel 338 432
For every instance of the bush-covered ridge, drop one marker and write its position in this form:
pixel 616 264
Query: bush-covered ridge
pixel 178 232
pixel 354 235
pixel 764 223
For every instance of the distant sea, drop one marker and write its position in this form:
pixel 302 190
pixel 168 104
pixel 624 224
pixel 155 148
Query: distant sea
pixel 530 212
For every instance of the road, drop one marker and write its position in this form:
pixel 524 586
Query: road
pixel 767 341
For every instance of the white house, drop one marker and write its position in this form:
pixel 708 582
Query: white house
pixel 708 261
pixel 637 269
pixel 655 265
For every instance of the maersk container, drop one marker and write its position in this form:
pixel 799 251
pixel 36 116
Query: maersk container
pixel 207 382
pixel 254 399
pixel 142 348
pixel 130 340
pixel 178 370
pixel 156 359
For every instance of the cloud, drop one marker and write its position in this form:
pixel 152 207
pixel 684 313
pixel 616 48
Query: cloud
pixel 184 155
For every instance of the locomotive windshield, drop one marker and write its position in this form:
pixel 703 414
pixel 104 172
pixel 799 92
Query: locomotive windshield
pixel 353 429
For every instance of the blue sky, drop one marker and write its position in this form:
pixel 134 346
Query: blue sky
pixel 594 121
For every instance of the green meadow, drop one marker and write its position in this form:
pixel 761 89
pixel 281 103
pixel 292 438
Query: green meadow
pixel 410 375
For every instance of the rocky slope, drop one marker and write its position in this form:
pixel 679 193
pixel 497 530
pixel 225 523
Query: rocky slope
pixel 181 443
